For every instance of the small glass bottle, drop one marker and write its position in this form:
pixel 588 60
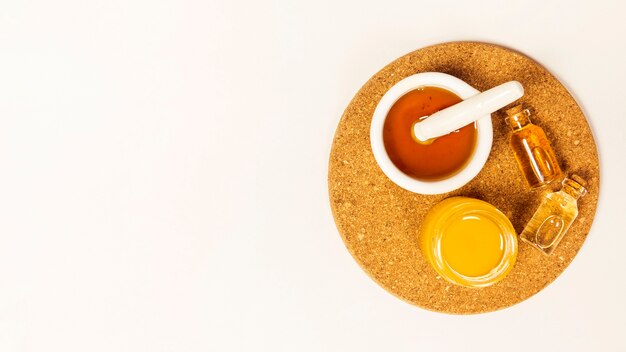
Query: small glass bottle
pixel 532 149
pixel 554 216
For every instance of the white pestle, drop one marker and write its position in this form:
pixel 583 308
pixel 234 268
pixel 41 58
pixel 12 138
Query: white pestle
pixel 467 111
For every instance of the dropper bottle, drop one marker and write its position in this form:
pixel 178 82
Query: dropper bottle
pixel 554 216
pixel 533 152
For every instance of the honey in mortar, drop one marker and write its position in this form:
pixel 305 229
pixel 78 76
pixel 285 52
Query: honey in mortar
pixel 442 158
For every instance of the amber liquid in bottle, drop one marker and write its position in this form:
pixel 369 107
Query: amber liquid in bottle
pixel 535 157
pixel 554 216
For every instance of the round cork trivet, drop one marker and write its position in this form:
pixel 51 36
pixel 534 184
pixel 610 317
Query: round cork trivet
pixel 379 221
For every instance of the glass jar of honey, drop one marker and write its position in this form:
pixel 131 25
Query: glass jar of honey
pixel 468 242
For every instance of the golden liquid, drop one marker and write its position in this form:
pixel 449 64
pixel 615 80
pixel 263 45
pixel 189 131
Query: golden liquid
pixel 472 245
pixel 534 155
pixel 468 242
pixel 445 156
pixel 551 221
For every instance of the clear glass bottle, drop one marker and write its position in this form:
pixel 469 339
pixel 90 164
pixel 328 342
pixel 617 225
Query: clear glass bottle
pixel 535 157
pixel 554 216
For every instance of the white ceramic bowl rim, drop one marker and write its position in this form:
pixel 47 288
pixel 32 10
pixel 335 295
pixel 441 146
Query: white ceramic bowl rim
pixel 481 150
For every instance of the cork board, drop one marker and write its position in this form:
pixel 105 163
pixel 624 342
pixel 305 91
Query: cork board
pixel 379 221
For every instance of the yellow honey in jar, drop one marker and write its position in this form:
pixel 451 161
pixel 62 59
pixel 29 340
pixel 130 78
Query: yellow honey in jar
pixel 468 242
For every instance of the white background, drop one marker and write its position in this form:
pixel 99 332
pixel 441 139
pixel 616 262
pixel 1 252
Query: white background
pixel 164 163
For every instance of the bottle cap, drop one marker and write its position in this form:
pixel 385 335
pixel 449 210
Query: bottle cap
pixel 517 117
pixel 576 184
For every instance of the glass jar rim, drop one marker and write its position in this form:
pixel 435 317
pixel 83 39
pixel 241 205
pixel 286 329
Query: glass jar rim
pixel 456 208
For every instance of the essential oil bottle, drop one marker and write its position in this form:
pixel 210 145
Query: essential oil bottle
pixel 533 152
pixel 554 216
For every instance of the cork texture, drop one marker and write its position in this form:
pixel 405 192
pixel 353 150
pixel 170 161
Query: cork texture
pixel 379 221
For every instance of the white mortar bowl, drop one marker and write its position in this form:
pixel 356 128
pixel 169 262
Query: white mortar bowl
pixel 484 135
